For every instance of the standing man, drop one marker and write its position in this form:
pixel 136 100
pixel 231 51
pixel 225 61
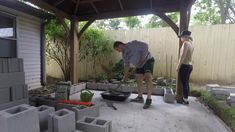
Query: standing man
pixel 136 53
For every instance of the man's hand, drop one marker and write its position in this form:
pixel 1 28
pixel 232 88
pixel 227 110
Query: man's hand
pixel 177 68
pixel 124 79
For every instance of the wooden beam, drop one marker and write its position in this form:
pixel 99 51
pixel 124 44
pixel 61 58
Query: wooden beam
pixel 76 7
pixel 94 7
pixel 48 7
pixel 151 4
pixel 87 1
pixel 73 51
pixel 120 4
pixel 58 3
pixel 79 34
pixel 183 26
pixel 127 13
pixel 168 21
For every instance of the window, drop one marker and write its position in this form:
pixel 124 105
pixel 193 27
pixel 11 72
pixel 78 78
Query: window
pixel 7 35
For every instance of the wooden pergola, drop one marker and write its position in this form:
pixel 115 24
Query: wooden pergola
pixel 91 10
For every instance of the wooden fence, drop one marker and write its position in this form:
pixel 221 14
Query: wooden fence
pixel 213 58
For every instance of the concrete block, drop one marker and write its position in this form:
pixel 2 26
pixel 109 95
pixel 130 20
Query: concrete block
pixel 77 88
pixel 5 95
pixel 12 79
pixel 230 89
pixel 19 92
pixel 169 96
pixel 92 111
pixel 128 88
pixel 90 124
pixel 43 113
pixel 3 65
pixel 232 96
pixel 61 121
pixel 209 87
pixel 22 118
pixel 102 86
pixel 158 91
pixel 77 131
pixel 91 85
pixel 15 65
pixel 63 90
pixel 41 100
pixel 13 103
pixel 220 94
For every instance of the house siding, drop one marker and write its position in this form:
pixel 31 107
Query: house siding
pixel 28 45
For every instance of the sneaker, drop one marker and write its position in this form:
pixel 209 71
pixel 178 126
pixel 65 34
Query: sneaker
pixel 185 101
pixel 138 100
pixel 179 101
pixel 147 103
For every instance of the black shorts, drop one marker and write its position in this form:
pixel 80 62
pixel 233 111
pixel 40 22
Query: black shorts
pixel 147 67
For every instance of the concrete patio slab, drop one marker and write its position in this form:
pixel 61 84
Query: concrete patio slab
pixel 161 117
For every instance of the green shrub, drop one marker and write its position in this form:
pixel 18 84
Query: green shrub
pixel 221 109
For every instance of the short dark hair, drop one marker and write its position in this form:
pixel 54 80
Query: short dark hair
pixel 117 43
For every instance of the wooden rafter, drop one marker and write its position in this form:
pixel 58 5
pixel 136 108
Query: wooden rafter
pixel 58 3
pixel 79 34
pixel 121 5
pixel 94 7
pixel 151 4
pixel 48 7
pixel 76 7
pixel 86 1
pixel 164 17
pixel 127 13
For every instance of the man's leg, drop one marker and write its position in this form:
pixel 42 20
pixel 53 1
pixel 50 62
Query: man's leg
pixel 139 81
pixel 148 78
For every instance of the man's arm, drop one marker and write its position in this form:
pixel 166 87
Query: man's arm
pixel 182 55
pixel 126 71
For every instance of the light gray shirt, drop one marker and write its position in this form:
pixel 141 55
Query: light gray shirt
pixel 134 52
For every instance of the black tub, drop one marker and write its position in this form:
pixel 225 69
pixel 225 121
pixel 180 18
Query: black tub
pixel 116 96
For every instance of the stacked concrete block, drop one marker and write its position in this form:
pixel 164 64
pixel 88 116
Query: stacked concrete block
pixel 77 88
pixel 229 88
pixel 169 96
pixel 158 91
pixel 9 65
pixel 220 94
pixel 13 90
pixel 92 111
pixel 22 118
pixel 63 90
pixel 91 86
pixel 128 89
pixel 43 113
pixel 91 124
pixel 61 121
pixel 3 65
pixel 15 65
pixel 209 87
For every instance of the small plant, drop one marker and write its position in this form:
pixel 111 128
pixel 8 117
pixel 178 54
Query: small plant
pixel 118 70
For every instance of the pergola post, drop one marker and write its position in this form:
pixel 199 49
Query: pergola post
pixel 185 10
pixel 74 46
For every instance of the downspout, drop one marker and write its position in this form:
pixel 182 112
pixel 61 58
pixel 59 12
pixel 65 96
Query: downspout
pixel 42 53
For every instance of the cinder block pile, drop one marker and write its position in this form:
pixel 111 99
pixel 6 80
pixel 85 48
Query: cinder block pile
pixel 169 96
pixel 13 90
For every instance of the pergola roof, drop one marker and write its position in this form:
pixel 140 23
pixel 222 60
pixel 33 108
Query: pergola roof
pixel 19 6
pixel 85 10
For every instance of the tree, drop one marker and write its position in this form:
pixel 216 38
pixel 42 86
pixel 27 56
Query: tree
pixel 132 22
pixel 210 12
pixel 114 23
pixel 156 22
pixel 57 46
